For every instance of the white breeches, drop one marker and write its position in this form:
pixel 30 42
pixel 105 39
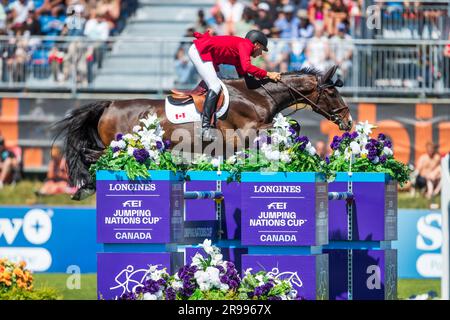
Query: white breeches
pixel 205 69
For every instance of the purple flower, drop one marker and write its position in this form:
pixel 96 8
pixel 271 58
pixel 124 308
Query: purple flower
pixel 274 298
pixel 383 159
pixel 116 149
pixel 167 143
pixel 388 143
pixel 335 144
pixel 354 135
pixel 139 290
pixel 327 159
pixel 269 140
pixel 221 269
pixel 381 137
pixel 151 286
pixel 140 155
pixel 230 265
pixel 346 135
pixel 119 136
pixel 292 131
pixel 233 284
pixel 224 279
pixel 258 291
pixel 171 294
pixel 127 296
pixel 161 282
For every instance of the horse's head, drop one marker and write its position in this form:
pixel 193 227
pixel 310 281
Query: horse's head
pixel 319 92
pixel 330 103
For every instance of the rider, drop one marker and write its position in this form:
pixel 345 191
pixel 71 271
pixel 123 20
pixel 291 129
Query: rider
pixel 207 52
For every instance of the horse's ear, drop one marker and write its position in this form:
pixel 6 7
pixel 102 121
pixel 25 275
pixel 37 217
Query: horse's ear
pixel 329 74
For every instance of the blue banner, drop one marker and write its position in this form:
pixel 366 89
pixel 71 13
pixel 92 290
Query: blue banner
pixel 419 243
pixel 50 239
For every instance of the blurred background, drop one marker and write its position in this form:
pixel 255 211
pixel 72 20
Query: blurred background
pixel 55 55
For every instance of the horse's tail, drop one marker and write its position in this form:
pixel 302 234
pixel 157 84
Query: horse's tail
pixel 78 130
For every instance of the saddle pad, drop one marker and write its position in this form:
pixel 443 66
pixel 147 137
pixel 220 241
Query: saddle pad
pixel 188 113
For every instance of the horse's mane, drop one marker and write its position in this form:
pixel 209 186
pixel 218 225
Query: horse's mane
pixel 304 71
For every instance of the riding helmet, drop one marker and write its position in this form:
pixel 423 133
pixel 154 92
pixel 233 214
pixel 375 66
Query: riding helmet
pixel 257 36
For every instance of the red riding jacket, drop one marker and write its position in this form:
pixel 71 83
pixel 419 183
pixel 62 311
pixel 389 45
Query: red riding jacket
pixel 231 50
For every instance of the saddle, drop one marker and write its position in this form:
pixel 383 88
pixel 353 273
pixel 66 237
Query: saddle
pixel 196 95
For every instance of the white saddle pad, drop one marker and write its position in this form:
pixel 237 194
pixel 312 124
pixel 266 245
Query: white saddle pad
pixel 188 113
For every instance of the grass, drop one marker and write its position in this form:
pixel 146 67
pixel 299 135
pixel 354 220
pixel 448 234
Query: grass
pixel 88 284
pixel 23 194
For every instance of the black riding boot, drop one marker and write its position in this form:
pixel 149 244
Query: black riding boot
pixel 209 107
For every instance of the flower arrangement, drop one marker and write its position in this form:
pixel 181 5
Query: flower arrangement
pixel 280 149
pixel 14 275
pixel 209 277
pixel 138 152
pixel 365 154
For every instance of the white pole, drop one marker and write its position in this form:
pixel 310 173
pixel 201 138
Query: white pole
pixel 445 207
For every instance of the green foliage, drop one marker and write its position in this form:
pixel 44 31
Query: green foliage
pixel 36 294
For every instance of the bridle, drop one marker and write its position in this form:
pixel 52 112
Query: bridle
pixel 314 105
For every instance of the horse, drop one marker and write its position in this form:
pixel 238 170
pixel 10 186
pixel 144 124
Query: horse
pixel 88 130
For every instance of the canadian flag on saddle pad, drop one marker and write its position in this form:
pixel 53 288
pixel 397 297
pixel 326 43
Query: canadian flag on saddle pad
pixel 181 106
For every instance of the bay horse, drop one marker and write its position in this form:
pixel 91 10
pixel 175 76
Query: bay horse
pixel 88 130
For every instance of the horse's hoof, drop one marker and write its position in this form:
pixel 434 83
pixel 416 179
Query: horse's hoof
pixel 83 193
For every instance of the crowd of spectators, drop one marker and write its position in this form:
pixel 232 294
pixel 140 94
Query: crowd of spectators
pixel 22 54
pixel 312 32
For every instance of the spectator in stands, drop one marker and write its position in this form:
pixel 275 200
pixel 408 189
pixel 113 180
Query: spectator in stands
pixel 245 24
pixel 218 26
pixel 317 13
pixel 341 50
pixel 321 149
pixel 306 29
pixel 52 25
pixel 97 28
pixel 56 59
pixel 318 50
pixel 253 8
pixel 75 19
pixel 338 13
pixel 288 23
pixel 201 25
pixel 109 10
pixel 57 181
pixel 232 11
pixel 429 171
pixel 32 25
pixel 184 69
pixel 8 164
pixel 19 14
pixel 278 55
pixel 2 19
pixel 262 20
pixel 446 64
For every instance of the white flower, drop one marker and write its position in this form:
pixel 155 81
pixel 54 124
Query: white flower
pixel 376 160
pixel 248 271
pixel 129 136
pixel 356 148
pixel 116 154
pixel 273 155
pixel 216 259
pixel 149 296
pixel 232 159
pixel 130 150
pixel 280 121
pixel 137 129
pixel 365 128
pixel 224 287
pixel 311 150
pixel 150 120
pixel 206 245
pixel 388 151
pixel 197 260
pixel 215 162
pixel 260 278
pixel 364 152
pixel 177 285
pixel 337 153
pixel 284 157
